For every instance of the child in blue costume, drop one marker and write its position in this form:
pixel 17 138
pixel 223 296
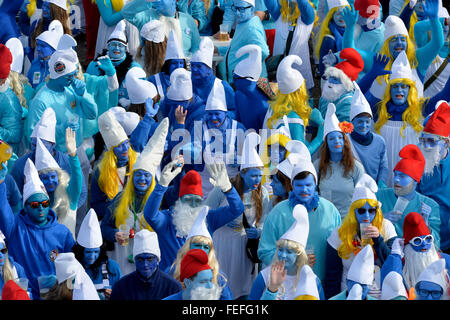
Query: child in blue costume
pixel 9 269
pixel 139 12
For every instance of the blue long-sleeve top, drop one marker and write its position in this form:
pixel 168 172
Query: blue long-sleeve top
pixel 99 201
pixel 250 95
pixel 11 124
pixel 114 273
pixel 142 133
pixel 307 13
pixel 13 193
pixel 76 182
pixel 38 72
pixel 109 16
pixel 8 12
pixel 195 112
pixel 32 246
pixel 164 80
pixel 161 221
pixel 196 9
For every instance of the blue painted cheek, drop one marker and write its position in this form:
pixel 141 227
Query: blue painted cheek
pixel 402 179
pixel 399 95
pixel 337 18
pixel 277 188
pixel 202 246
pixel 2 259
pixel 335 142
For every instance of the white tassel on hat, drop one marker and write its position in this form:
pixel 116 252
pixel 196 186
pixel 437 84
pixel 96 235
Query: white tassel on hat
pixel 365 188
pixel 199 227
pixel 112 132
pixel 119 33
pixel 435 273
pixel 299 230
pixel 46 126
pixel 216 98
pixel 401 69
pixel 362 268
pixel 302 162
pixel 393 25
pixel 359 103
pixel 90 234
pixel 138 88
pixel 150 158
pixel 205 52
pixel 250 157
pixel 298 151
pixel 173 49
pixel 288 78
pixel 43 159
pixel 53 34
pixel 331 121
pixel 127 119
pixel 153 31
pixel 307 283
pixel 393 286
pixel 32 182
pixel 146 241
pixel 180 88
pixel 251 66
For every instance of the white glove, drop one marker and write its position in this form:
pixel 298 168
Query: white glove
pixel 425 211
pixel 219 176
pixel 71 142
pixel 169 172
pixel 329 59
pixel 397 247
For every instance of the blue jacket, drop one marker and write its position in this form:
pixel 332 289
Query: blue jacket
pixel 11 125
pixel 161 222
pixel 13 194
pixel 32 246
pixel 114 274
pixel 196 9
pixel 38 72
pixel 251 118
pixel 196 110
pixel 8 12
pixel 142 133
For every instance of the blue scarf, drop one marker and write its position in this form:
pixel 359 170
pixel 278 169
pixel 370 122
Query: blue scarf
pixel 396 111
pixel 364 140
pixel 311 205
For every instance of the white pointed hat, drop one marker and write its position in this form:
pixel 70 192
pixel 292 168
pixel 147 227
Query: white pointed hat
pixel 299 230
pixel 119 33
pixel 251 2
pixel 331 121
pixel 288 78
pixel 150 158
pixel 216 98
pixel 205 52
pixel 32 182
pixel 296 146
pixel 139 89
pixel 43 159
pixel 199 227
pixel 15 46
pixel 365 188
pixel 250 157
pixel 298 151
pixel 250 66
pixel 174 49
pixel 146 241
pixel 90 234
pixel 393 286
pixel 359 103
pixel 302 163
pixel 64 60
pixel 355 292
pixel 401 69
pixel 434 273
pixel 112 132
pixel 53 34
pixel 153 31
pixel 67 42
pixel 180 88
pixel 336 3
pixel 362 268
pixel 127 119
pixel 393 25
pixel 60 3
pixel 46 126
pixel 307 283
pixel 287 165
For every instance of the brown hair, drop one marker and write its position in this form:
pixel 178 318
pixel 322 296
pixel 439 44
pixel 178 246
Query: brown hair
pixel 139 108
pixel 60 291
pixel 348 161
pixel 238 184
pixel 286 182
pixel 56 13
pixel 154 56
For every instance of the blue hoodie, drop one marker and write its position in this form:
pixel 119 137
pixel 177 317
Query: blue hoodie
pixel 31 246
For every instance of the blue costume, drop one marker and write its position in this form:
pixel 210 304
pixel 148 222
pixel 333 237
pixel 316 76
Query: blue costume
pixel 19 269
pixel 8 12
pixel 97 275
pixel 343 105
pixel 331 42
pixel 196 9
pixel 11 125
pixel 247 93
pixel 13 194
pixel 195 111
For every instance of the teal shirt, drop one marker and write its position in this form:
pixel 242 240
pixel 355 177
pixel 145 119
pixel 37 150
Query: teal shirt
pixel 321 223
pixel 11 126
pixel 388 199
pixel 76 182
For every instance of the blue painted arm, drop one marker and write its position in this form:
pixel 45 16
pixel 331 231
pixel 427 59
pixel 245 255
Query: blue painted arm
pixel 258 288
pixel 7 217
pixel 221 216
pixel 307 12
pixel 274 8
pixel 328 43
pixel 428 53
pixel 109 16
pixel 139 137
pixel 76 181
pixel 108 224
pixel 155 218
pixel 405 15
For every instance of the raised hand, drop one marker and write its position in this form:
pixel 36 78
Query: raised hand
pixel 316 117
pixel 71 142
pixel 329 59
pixel 252 233
pixel 397 247
pixel 277 275
pixel 171 170
pixel 380 62
pixel 431 8
pixel 219 175
pixel 79 87
pixel 350 17
pixel 151 109
pixel 104 63
pixel 180 115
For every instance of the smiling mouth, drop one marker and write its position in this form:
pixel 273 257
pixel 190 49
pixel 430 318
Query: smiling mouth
pixel 399 96
pixel 304 195
pixel 398 49
pixel 338 146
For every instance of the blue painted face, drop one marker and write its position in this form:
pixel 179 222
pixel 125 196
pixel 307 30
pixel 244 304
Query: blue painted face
pixel 335 141
pixel 122 151
pixel 366 213
pixel 252 178
pixel 193 200
pixel 116 50
pixel 214 118
pixel 334 80
pixel 49 145
pixel 204 279
pixel 50 180
pixel 44 50
pixel 3 251
pixel 146 264
pixel 365 288
pixel 243 83
pixel 142 180
pixel 175 64
pixel 420 10
pixel 205 247
pixel 66 80
pixel 199 71
pixel 422 243
pixel 90 255
pixel 362 124
pixel 277 157
pixel 288 256
pixel 243 10
pixel 166 7
pixel 304 189
pixel 403 184
pixel 427 290
pixel 430 141
pixel 399 93
pixel 46 10
pixel 337 18
pixel 39 214
pixel 397 44
pixel 277 187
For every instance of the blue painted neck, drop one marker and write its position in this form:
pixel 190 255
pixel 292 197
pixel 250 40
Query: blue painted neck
pixel 336 156
pixel 54 85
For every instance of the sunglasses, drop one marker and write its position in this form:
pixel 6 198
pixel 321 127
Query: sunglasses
pixel 240 9
pixel 35 204
pixel 363 210
pixel 418 241
pixel 425 293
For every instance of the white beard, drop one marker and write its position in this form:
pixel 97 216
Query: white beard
pixel 416 262
pixel 432 159
pixel 183 217
pixel 332 92
pixel 202 293
pixel 5 86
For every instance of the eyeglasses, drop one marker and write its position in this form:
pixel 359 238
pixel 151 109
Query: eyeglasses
pixel 418 241
pixel 35 204
pixel 240 9
pixel 363 210
pixel 431 141
pixel 425 293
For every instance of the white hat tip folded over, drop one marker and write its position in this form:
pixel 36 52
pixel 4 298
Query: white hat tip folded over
pixel 250 157
pixel 307 283
pixel 205 52
pixel 90 234
pixel 112 132
pixel 299 230
pixel 365 188
pixel 180 88
pixel 153 31
pixel 44 160
pixel 199 227
pixel 362 268
pixel 359 103
pixel 435 273
pixel 288 78
pixel 355 292
pixel 251 66
pixel 15 46
pixel 393 26
pixel 393 286
pixel 401 69
pixel 146 241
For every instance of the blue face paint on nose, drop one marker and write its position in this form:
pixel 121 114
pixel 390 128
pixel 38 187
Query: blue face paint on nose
pixel 202 246
pixel 421 243
pixel 304 189
pixel 175 64
pixel 146 264
pixel 397 44
pixel 277 187
pixel 288 256
pixel 362 124
pixel 204 279
pixel 427 290
pixel 334 80
pixel 37 215
pixel 116 50
pixel 49 145
pixel 335 141
pixel 214 118
pixel 193 200
pixel 399 93
pixel 252 178
pixel 122 151
pixel 243 15
pixel 50 180
pixel 44 50
pixel 142 180
pixel 90 255
pixel 401 179
pixel 365 214
pixel 337 18
pixel 199 71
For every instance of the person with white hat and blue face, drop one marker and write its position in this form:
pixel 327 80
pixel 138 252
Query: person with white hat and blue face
pixel 432 283
pixel 148 281
pixel 280 280
pixel 36 219
pixel 90 251
pixel 9 269
pixel 152 50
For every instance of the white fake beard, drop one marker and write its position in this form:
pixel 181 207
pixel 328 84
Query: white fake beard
pixel 5 86
pixel 183 217
pixel 332 92
pixel 432 159
pixel 416 262
pixel 202 293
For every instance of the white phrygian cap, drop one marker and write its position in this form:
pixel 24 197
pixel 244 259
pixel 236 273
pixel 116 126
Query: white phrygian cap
pixel 307 283
pixel 180 88
pixel 60 3
pixel 90 234
pixel 359 103
pixel 250 157
pixel 64 60
pixel 43 159
pixel 146 241
pixel 127 119
pixel 15 46
pixel 297 152
pixel 393 286
pixel 53 34
pixel 299 230
pixel 153 31
pixel 331 121
pixel 365 188
pixel 46 126
pixel 139 89
pixel 250 66
pixel 216 98
pixel 112 132
pixel 174 49
pixel 199 227
pixel 302 162
pixel 119 33
pixel 32 182
pixel 362 268
pixel 401 69
pixel 355 292
pixel 393 25
pixel 336 3
pixel 205 52
pixel 288 78
pixel 435 273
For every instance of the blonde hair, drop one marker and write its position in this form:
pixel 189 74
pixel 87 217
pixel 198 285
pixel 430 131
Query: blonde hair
pixel 126 201
pixel 108 181
pixel 412 114
pixel 17 83
pixel 349 226
pixel 291 17
pixel 61 201
pixel 7 269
